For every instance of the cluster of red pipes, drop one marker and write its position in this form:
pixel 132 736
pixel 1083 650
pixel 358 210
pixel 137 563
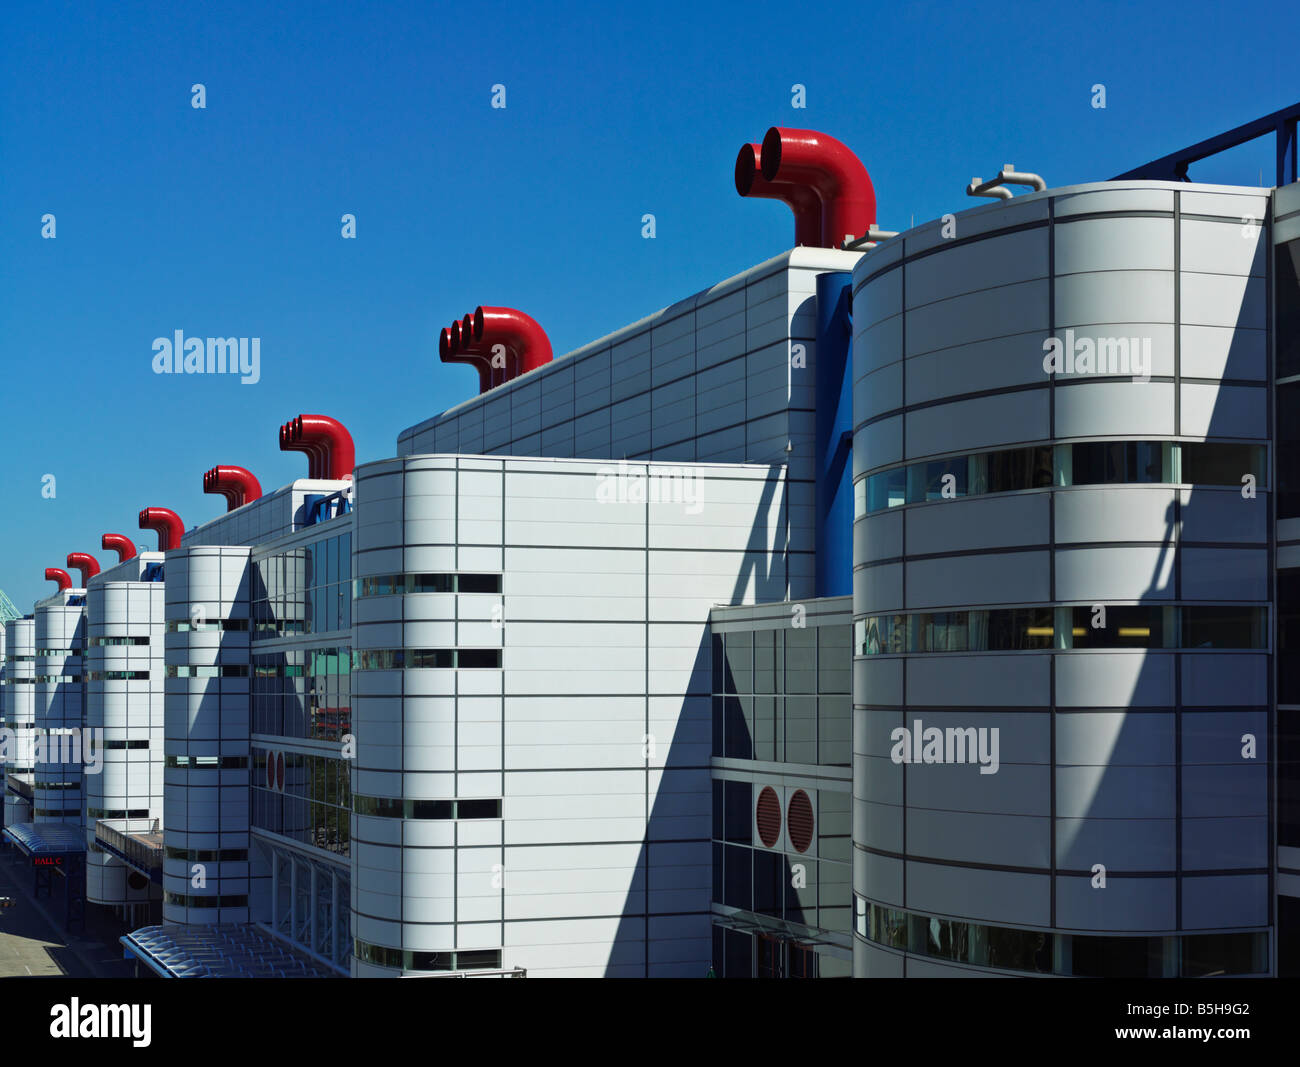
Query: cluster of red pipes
pixel 822 182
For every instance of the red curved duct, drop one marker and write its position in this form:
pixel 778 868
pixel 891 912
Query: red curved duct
pixel 805 203
pixel 500 375
pixel 326 441
pixel 289 443
pixel 56 574
pixel 123 546
pixel 84 562
pixel 319 447
pixel 236 484
pixel 210 486
pixel 517 331
pixel 835 174
pixel 166 523
pixel 449 351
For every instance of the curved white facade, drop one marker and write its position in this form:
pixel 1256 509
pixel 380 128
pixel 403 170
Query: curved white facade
pixel 206 737
pixel 19 710
pixel 124 701
pixel 1002 512
pixel 60 636
pixel 530 646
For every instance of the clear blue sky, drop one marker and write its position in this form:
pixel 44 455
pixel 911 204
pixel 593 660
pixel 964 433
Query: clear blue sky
pixel 225 221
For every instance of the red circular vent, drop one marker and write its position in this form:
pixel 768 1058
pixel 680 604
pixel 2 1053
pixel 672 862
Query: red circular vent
pixel 279 770
pixel 799 821
pixel 767 815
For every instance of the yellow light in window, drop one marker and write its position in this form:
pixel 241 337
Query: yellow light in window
pixel 1078 631
pixel 1135 631
pixel 1039 631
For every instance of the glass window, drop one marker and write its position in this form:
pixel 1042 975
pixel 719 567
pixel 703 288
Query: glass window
pixel 887 490
pixel 737 728
pixel 1110 462
pixel 941 480
pixel 1288 636
pixel 801 660
pixel 1008 472
pixel 1020 950
pixel 738 878
pixel 765 661
pixel 834 659
pixel 1014 628
pixel 1208 954
pixel 1223 627
pixel 1117 957
pixel 739 653
pixel 1118 626
pixel 939 632
pixel 764 727
pixel 883 634
pixel 1287 313
pixel 1222 464
pixel 801 729
pixel 737 812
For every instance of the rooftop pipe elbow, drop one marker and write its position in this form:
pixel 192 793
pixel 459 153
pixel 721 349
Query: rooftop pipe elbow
pixel 124 547
pixel 60 576
pixel 166 523
pixel 290 443
pixel 801 199
pixel 87 564
pixel 450 351
pixel 236 484
pixel 828 168
pixel 324 439
pixel 503 366
pixel 518 332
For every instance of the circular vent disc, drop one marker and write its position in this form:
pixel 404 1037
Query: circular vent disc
pixel 799 821
pixel 767 816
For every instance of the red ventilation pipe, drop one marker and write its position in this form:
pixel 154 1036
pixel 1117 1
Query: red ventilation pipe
pixel 805 203
pixel 124 547
pixel 288 443
pixel 87 564
pixel 55 574
pixel 236 484
pixel 501 373
pixel 167 524
pixel 450 350
pixel 828 168
pixel 326 441
pixel 517 331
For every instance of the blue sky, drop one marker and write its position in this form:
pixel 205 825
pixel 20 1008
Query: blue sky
pixel 226 221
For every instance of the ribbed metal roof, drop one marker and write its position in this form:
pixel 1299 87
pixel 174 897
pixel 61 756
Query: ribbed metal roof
pixel 222 950
pixel 46 838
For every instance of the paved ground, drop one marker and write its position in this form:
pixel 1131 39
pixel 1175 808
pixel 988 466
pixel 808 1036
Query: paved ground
pixel 33 942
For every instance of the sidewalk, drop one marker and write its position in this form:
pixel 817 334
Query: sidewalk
pixel 97 951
